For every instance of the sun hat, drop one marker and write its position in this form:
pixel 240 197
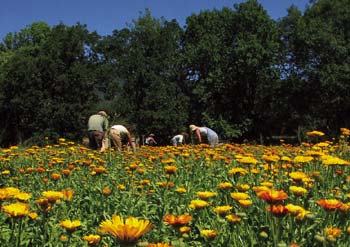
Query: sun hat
pixel 102 113
pixel 193 127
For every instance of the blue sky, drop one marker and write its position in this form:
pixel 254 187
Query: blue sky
pixel 104 16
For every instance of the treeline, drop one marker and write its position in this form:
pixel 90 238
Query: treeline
pixel 235 70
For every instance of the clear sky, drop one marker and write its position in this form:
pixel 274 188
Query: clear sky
pixel 104 16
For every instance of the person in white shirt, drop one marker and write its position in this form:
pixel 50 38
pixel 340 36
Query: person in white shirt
pixel 179 139
pixel 120 136
pixel 205 135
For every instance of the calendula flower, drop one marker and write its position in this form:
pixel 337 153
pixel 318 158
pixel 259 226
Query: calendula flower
pixel 296 190
pixel 184 229
pixel 238 170
pixel 272 196
pixel 329 204
pixel 332 232
pixel 204 195
pixel 302 159
pixel 67 194
pixel 23 196
pixel 277 210
pixel 209 234
pixel 245 203
pixel 92 239
pixel 128 231
pixel 177 220
pixel 198 204
pixel 17 209
pixel 44 204
pixel 106 191
pixel 233 218
pixel 52 196
pixel 345 131
pixel 242 187
pixel 159 245
pixel 170 169
pixel 181 190
pixel 222 210
pixel 315 133
pixel 225 185
pixel 70 225
pixel 55 176
pixel 33 215
pixel 239 196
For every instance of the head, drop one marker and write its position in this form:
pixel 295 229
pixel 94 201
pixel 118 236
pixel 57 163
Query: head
pixel 151 135
pixel 102 113
pixel 185 135
pixel 193 127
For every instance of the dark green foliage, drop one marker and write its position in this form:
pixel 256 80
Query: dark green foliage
pixel 234 70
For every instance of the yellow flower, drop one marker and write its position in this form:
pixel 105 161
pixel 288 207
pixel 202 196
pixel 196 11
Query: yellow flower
pixel 128 231
pixel 296 190
pixel 209 233
pixel 233 218
pixel 92 239
pixel 23 196
pixel 198 204
pixel 247 160
pixel 52 196
pixel 315 133
pixel 204 195
pixel 181 190
pixel 302 159
pixel 222 210
pixel 238 170
pixel 333 232
pixel 17 209
pixel 186 229
pixel 239 196
pixel 170 169
pixel 159 245
pixel 242 187
pixel 245 203
pixel 70 225
pixel 225 185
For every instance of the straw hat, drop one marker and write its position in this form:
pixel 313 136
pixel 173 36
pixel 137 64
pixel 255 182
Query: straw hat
pixel 193 127
pixel 102 113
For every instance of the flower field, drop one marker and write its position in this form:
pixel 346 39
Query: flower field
pixel 235 195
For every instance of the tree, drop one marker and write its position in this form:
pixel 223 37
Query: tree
pixel 147 61
pixel 48 82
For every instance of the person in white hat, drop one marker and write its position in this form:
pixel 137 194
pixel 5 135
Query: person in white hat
pixel 205 135
pixel 97 127
pixel 179 139
pixel 121 135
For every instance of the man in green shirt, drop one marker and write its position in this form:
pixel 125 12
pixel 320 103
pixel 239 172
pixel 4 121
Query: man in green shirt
pixel 97 127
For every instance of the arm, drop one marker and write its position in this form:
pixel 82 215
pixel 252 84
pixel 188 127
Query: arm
pixel 198 133
pixel 131 143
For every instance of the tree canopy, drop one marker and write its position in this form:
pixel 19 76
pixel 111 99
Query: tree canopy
pixel 235 70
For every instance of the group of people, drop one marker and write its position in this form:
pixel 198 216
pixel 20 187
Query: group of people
pixel 119 135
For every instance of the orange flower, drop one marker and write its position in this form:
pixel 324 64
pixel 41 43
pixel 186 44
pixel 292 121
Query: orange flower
pixel 179 220
pixel 278 210
pixel 233 218
pixel 272 196
pixel 106 191
pixel 67 194
pixel 333 232
pixel 329 204
pixel 55 176
pixel 44 204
